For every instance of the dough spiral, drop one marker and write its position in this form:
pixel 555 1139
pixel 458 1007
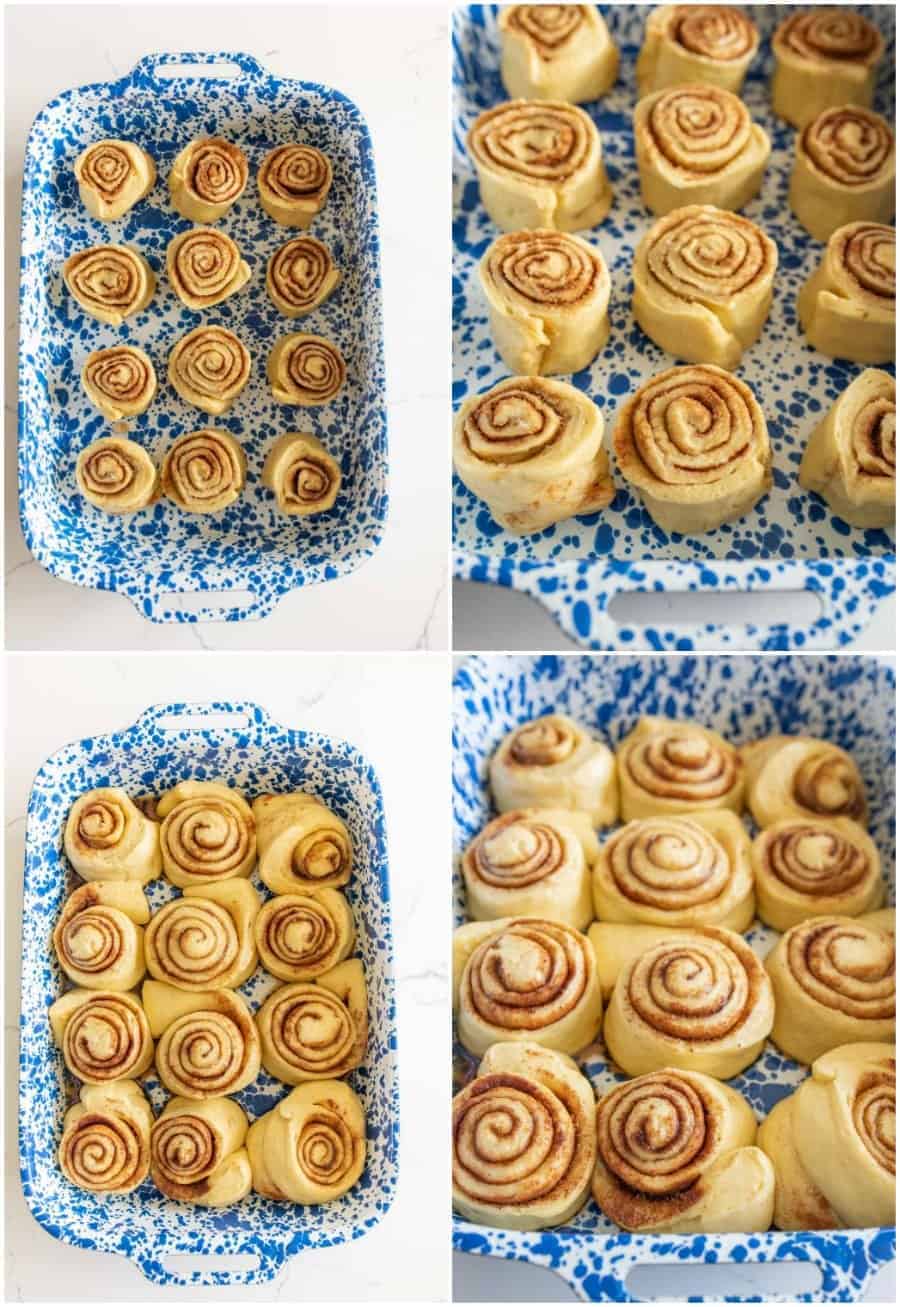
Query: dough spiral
pixel 204 267
pixel 112 177
pixel 204 940
pixel 110 282
pixel 207 177
pixel 712 44
pixel 105 1145
pixel 208 833
pixel 556 52
pixel 208 1043
pixel 851 458
pixel 120 381
pixel 294 181
pixel 315 1030
pixel 301 936
pixel 99 939
pixel 209 367
pixel 847 307
pixel 204 471
pixel 798 776
pixel 815 867
pixel 104 1036
pixel 300 276
pixel 311 1147
pixel 671 768
pixel 307 370
pixel 197 1153
pixel 303 845
pixel 844 171
pixel 117 475
pixel 823 58
pixel 553 762
pixel 108 838
pixel 301 474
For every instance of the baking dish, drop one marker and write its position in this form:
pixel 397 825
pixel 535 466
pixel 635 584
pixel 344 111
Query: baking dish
pixel 846 699
pixel 790 542
pixel 240 744
pixel 157 555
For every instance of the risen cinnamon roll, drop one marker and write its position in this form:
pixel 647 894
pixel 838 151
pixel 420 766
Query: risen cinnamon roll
pixel 307 370
pixel 104 1036
pixel 205 940
pixel 110 282
pixel 540 164
pixel 112 177
pixel 120 381
pixel 208 1043
pixel 209 367
pixel 847 308
pixel 301 936
pixel 823 58
pixel 834 982
pixel 300 276
pixel 105 1146
pixel 108 838
pixel 207 177
pixel 525 978
pixel 703 284
pixel 552 762
pixel 315 1030
pixel 713 44
pixel 815 867
pixel 676 1152
pixel 797 776
pixel 556 52
pixel 671 768
pixel 532 449
pixel 208 833
pixel 697 144
pixel 523 1139
pixel 302 844
pixel 204 267
pixel 844 171
pixel 197 1152
pixel 311 1147
pixel 851 458
pixel 294 181
pixel 694 443
pixel 117 475
pixel 204 471
pixel 301 474
pixel 99 939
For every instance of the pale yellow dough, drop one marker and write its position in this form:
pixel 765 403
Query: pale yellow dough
pixel 847 308
pixel 107 837
pixel 110 282
pixel 556 52
pixel 669 768
pixel 315 1030
pixel 301 474
pixel 208 833
pixel 311 1147
pixel 207 177
pixel 99 938
pixel 120 381
pixel 823 57
pixel 197 1152
pixel 303 845
pixel 851 456
pixel 798 776
pixel 713 44
pixel 553 762
pixel 112 177
pixel 815 867
pixel 844 171
pixel 105 1145
pixel 205 939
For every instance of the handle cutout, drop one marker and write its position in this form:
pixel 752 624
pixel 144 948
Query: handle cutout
pixel 195 601
pixel 766 1281
pixel 206 72
pixel 720 607
pixel 185 1265
pixel 224 721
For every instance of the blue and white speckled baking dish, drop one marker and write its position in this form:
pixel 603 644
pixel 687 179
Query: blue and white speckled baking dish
pixel 849 700
pixel 241 745
pixel 790 541
pixel 161 553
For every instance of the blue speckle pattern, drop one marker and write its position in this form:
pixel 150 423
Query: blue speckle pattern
pixel 790 541
pixel 150 757
pixel 160 552
pixel 849 700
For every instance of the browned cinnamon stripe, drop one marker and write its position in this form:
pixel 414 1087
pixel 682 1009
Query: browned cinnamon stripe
pixel 858 981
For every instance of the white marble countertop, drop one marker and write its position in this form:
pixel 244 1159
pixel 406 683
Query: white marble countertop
pixel 398 599
pixel 53 701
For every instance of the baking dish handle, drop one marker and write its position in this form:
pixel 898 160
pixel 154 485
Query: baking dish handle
pixel 210 1269
pixel 241 603
pixel 211 715
pixel 191 64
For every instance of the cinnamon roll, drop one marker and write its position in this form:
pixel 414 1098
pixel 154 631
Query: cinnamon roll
pixel 676 1153
pixel 207 177
pixel 104 1036
pixel 204 471
pixel 823 58
pixel 311 1147
pixel 112 177
pixel 712 44
pixel 306 370
pixel 117 475
pixel 208 1043
pixel 209 367
pixel 120 381
pixel 197 1152
pixel 110 282
pixel 547 294
pixel 301 474
pixel 694 443
pixel 302 844
pixel 834 983
pixel 677 871
pixel 300 276
pixel 293 182
pixel 552 762
pixel 844 171
pixel 205 939
pixel 851 458
pixel 669 768
pixel 204 267
pixel 798 776
pixel 315 1030
pixel 105 1146
pixel 302 936
pixel 703 282
pixel 525 978
pixel 99 939
pixel 523 1139
pixel 540 164
pixel 532 862
pixel 847 308
pixel 697 144
pixel 695 999
pixel 532 449
pixel 108 838
pixel 556 52
pixel 208 833
pixel 833 1142
pixel 815 867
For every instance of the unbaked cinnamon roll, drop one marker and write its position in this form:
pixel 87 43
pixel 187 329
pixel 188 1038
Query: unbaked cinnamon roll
pixel 798 776
pixel 301 936
pixel 823 58
pixel 713 44
pixel 207 177
pixel 99 939
pixel 120 381
pixel 703 284
pixel 847 308
pixel 311 1147
pixel 844 171
pixel 110 282
pixel 523 1139
pixel 315 1030
pixel 556 52
pixel 301 474
pixel 293 182
pixel 303 845
pixel 300 276
pixel 694 443
pixel 532 449
pixel 105 1146
pixel 108 838
pixel 671 768
pixel 553 762
pixel 205 939
pixel 306 370
pixel 540 164
pixel 851 458
pixel 208 833
pixel 547 295
pixel 209 367
pixel 117 475
pixel 204 471
pixel 204 267
pixel 834 981
pixel 104 1036
pixel 676 1152
pixel 697 144
pixel 112 177
pixel 208 1043
pixel 197 1152
pixel 815 867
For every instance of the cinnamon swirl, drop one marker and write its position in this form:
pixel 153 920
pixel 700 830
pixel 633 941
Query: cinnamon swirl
pixel 205 939
pixel 112 177
pixel 105 1146
pixel 104 1036
pixel 847 308
pixel 293 182
pixel 108 838
pixel 301 936
pixel 851 458
pixel 303 845
pixel 797 776
pixel 823 58
pixel 694 443
pixel 209 367
pixel 311 1147
pixel 844 171
pixel 306 370
pixel 556 52
pixel 204 471
pixel 110 282
pixel 120 381
pixel 301 474
pixel 208 833
pixel 815 867
pixel 204 267
pixel 207 177
pixel 300 276
pixel 197 1152
pixel 669 768
pixel 552 762
pixel 712 44
pixel 99 939
pixel 315 1030
pixel 117 475
pixel 208 1043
